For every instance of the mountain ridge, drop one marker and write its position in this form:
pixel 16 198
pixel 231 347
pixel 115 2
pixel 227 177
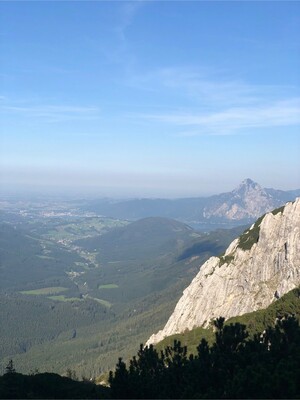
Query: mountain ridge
pixel 242 205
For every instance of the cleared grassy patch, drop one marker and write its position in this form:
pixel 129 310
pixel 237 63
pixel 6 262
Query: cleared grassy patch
pixel 108 286
pixel 45 291
pixel 101 301
pixel 63 298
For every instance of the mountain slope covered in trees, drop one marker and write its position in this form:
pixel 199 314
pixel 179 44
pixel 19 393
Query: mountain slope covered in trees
pixel 259 359
pixel 69 306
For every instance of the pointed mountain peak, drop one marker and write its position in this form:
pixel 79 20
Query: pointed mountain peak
pixel 248 185
pixel 249 182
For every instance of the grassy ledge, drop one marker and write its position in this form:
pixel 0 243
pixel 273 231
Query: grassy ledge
pixel 250 236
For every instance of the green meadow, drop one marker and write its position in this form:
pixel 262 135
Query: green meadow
pixel 45 291
pixel 108 286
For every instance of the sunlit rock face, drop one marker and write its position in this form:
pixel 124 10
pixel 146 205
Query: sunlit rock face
pixel 248 200
pixel 257 268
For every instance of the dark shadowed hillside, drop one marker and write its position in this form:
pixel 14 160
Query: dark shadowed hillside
pixel 141 240
pixel 26 258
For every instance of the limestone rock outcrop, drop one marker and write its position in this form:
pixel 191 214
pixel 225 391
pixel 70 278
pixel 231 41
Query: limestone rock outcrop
pixel 256 269
pixel 248 200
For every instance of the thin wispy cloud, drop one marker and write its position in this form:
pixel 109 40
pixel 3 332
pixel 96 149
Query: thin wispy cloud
pixel 121 52
pixel 52 113
pixel 206 86
pixel 233 120
pixel 127 13
pixel 218 106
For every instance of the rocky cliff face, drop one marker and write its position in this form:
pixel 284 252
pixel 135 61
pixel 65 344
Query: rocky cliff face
pixel 248 200
pixel 257 268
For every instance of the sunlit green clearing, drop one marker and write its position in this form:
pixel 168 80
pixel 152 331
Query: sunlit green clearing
pixel 63 298
pixel 45 291
pixel 103 302
pixel 108 286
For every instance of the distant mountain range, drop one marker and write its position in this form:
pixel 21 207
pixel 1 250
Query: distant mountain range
pixel 240 206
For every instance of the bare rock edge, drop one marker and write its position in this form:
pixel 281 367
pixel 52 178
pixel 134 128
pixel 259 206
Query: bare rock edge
pixel 249 277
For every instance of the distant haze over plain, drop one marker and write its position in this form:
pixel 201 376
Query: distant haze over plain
pixel 81 186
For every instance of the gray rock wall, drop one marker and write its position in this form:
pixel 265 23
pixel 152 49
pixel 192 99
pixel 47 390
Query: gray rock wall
pixel 250 279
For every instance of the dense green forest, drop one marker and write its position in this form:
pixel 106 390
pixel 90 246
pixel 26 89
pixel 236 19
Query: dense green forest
pixel 236 365
pixel 47 385
pixel 79 291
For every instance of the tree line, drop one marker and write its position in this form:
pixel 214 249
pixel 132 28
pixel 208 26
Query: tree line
pixel 236 365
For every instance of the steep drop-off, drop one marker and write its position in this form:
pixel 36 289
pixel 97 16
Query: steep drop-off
pixel 256 269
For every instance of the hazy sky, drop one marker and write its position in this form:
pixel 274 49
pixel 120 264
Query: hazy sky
pixel 172 98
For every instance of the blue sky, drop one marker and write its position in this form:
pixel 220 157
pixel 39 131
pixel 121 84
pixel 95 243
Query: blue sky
pixel 169 99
